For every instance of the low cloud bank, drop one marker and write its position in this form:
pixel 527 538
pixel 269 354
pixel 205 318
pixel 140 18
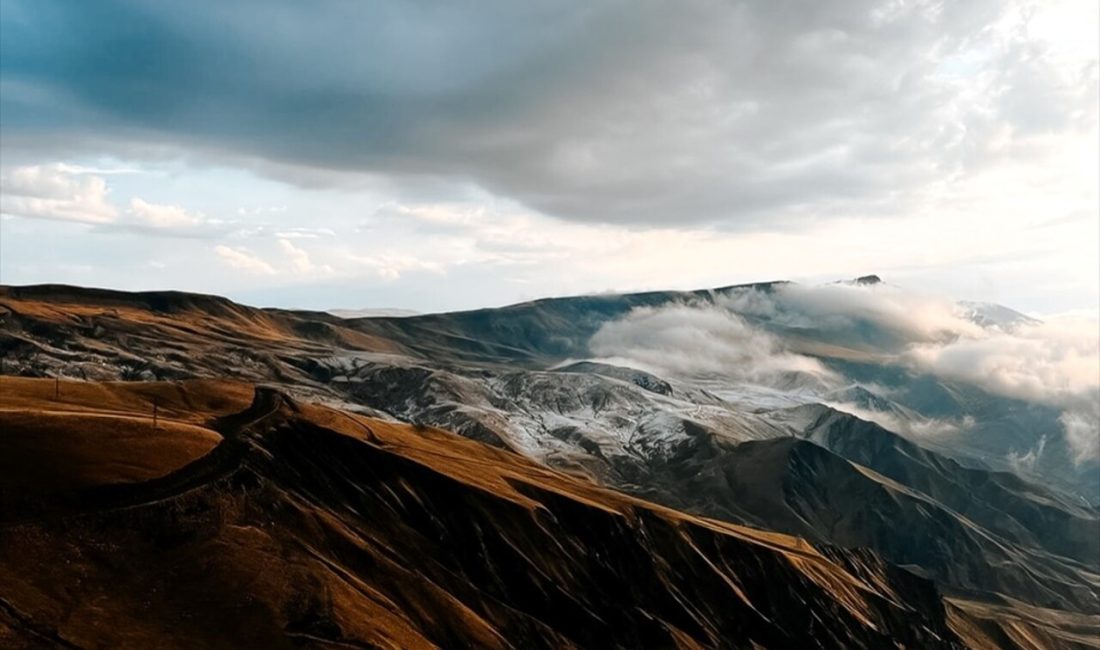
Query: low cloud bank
pixel 914 427
pixel 1054 363
pixel 701 341
pixel 909 316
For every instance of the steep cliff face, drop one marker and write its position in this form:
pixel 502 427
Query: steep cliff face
pixel 310 526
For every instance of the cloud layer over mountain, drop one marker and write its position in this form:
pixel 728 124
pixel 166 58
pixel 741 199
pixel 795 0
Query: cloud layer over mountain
pixel 1054 363
pixel 696 340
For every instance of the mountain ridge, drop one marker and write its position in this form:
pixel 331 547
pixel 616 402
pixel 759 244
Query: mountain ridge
pixel 664 439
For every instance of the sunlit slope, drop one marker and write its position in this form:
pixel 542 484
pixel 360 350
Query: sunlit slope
pixel 59 436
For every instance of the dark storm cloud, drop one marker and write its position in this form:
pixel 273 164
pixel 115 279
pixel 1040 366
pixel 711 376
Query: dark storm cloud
pixel 649 113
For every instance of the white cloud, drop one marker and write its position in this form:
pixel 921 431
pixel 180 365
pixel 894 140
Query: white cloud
pixel 163 217
pixel 913 426
pixel 243 260
pixel 1055 363
pixel 389 267
pixel 911 316
pixel 299 259
pixel 1027 461
pixel 261 209
pixel 438 214
pixel 1052 363
pixel 695 340
pixel 305 233
pixel 98 171
pixel 55 192
pixel 67 192
pixel 1082 428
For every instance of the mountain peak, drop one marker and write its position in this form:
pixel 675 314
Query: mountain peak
pixel 868 279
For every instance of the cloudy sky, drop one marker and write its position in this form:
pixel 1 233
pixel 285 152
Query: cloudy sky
pixel 434 156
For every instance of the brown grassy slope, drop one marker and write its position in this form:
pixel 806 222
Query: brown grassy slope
pixel 1014 624
pixel 70 435
pixel 192 402
pixel 96 334
pixel 312 527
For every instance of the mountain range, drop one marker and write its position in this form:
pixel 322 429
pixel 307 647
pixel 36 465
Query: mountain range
pixel 748 466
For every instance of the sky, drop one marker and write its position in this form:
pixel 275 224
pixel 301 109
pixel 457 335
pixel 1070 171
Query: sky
pixel 435 156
